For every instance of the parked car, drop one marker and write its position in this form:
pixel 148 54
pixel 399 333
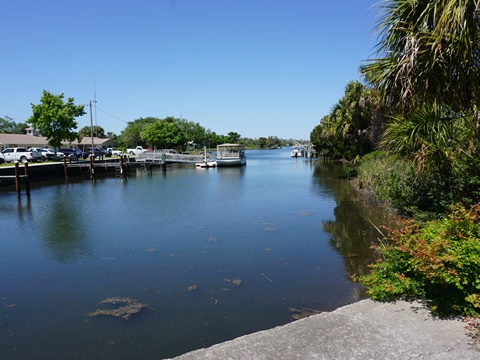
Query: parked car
pixel 136 150
pixel 114 152
pixel 46 155
pixel 97 151
pixel 69 152
pixel 81 154
pixel 60 155
pixel 2 159
pixel 21 154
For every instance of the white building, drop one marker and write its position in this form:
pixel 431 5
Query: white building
pixel 31 140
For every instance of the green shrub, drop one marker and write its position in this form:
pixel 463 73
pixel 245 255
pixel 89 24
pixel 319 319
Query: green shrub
pixel 440 262
pixel 422 196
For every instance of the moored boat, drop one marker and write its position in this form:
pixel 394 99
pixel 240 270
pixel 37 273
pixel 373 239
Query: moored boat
pixel 206 163
pixel 297 151
pixel 231 155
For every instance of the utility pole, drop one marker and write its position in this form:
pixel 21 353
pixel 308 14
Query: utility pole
pixel 91 129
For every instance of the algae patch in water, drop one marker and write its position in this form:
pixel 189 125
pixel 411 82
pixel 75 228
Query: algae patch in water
pixel 212 239
pixel 298 314
pixel 237 282
pixel 192 287
pixel 126 307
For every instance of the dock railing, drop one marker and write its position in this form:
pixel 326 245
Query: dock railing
pixel 168 156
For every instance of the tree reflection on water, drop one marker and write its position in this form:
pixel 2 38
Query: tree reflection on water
pixel 64 229
pixel 356 223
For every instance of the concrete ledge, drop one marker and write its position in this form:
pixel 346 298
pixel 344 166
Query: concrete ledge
pixel 364 330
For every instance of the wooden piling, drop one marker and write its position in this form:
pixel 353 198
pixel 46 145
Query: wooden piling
pixel 92 167
pixel 123 168
pixel 65 167
pixel 164 163
pixel 27 181
pixel 17 179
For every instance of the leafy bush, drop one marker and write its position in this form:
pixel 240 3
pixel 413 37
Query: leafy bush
pixel 440 262
pixel 422 196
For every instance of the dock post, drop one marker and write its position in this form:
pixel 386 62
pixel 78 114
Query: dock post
pixel 123 170
pixel 164 163
pixel 65 167
pixel 127 168
pixel 17 179
pixel 121 167
pixel 92 167
pixel 27 181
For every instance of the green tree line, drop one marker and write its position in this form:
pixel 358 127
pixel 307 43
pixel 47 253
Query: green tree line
pixel 412 128
pixel 8 126
pixel 418 104
pixel 54 118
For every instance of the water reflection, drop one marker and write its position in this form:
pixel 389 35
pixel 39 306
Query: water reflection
pixel 232 172
pixel 230 182
pixel 351 235
pixel 63 228
pixel 353 230
pixel 24 209
pixel 329 176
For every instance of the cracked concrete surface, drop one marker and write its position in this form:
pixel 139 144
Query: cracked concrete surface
pixel 364 330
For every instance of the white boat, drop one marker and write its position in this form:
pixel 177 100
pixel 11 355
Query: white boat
pixel 297 151
pixel 231 155
pixel 205 163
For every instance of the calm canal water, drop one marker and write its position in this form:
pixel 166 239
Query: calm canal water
pixel 288 228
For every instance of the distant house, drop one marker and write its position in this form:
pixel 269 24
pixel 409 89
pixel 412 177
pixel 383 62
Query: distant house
pixel 30 139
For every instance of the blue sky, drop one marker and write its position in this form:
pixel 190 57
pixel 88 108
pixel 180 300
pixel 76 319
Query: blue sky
pixel 256 67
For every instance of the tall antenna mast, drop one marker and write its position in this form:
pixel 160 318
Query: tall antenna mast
pixel 95 101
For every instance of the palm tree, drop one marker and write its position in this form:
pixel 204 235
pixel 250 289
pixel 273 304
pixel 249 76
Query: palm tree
pixel 428 53
pixel 432 140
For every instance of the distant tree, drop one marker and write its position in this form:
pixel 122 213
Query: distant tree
pixel 325 140
pixel 273 141
pixel 347 132
pixel 20 128
pixel 233 137
pixel 112 136
pixel 164 133
pixel 56 119
pixel 262 142
pixel 130 136
pixel 98 131
pixel 222 139
pixel 210 138
pixel 7 125
pixel 193 131
pixel 214 139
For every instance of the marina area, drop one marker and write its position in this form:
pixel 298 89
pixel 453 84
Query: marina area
pixel 169 262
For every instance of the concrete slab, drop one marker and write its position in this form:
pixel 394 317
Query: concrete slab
pixel 364 330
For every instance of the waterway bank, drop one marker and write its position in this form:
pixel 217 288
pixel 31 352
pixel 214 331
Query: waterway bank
pixel 363 330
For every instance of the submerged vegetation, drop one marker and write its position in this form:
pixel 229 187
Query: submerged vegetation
pixel 121 307
pixel 412 130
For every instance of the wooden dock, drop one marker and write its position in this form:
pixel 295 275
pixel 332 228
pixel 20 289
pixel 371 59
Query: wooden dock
pixel 161 156
pixel 18 178
pixel 120 166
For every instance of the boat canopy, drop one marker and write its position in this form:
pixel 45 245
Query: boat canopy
pixel 231 145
